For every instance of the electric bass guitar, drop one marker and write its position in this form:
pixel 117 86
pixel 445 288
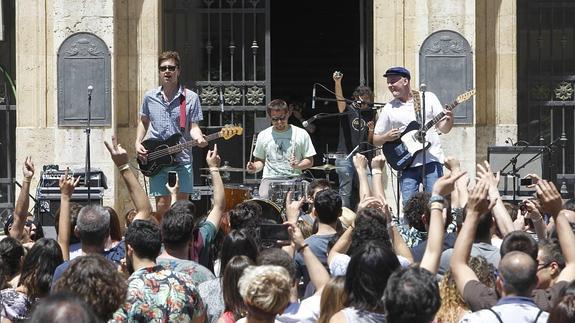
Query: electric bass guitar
pixel 401 152
pixel 162 152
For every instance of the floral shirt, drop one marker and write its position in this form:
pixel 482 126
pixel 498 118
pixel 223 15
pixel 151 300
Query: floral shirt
pixel 15 306
pixel 198 272
pixel 156 294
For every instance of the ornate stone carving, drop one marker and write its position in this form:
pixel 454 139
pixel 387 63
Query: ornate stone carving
pixel 232 95
pixel 564 91
pixel 255 95
pixel 446 45
pixel 209 95
pixel 83 47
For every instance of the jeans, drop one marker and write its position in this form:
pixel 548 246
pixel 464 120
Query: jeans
pixel 345 174
pixel 411 178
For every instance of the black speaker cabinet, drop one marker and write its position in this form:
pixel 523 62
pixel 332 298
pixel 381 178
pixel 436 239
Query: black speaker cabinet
pixel 499 157
pixel 47 207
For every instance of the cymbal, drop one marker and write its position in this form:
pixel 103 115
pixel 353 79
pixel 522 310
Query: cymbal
pixel 325 168
pixel 227 169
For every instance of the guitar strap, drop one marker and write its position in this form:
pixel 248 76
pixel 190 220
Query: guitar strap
pixel 183 111
pixel 417 105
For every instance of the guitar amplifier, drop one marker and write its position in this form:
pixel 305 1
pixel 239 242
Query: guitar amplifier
pixel 48 201
pixel 50 177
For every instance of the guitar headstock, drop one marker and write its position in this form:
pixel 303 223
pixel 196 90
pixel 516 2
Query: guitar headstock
pixel 465 96
pixel 228 131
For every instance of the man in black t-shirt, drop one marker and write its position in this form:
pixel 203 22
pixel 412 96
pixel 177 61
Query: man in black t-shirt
pixel 355 128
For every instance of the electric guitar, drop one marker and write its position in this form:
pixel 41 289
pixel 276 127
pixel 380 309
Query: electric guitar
pixel 162 152
pixel 401 152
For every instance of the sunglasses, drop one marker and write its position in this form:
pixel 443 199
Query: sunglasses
pixel 170 68
pixel 279 118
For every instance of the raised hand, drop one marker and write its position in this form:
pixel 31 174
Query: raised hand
pixel 337 76
pixel 478 201
pixel 117 152
pixel 445 184
pixel 378 162
pixel 451 163
pixel 68 184
pixel 359 161
pixel 549 197
pixel 212 158
pixel 28 168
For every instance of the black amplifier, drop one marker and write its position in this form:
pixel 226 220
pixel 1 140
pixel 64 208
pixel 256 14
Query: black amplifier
pixel 51 177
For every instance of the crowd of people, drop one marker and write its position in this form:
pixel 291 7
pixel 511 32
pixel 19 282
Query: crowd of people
pixel 457 254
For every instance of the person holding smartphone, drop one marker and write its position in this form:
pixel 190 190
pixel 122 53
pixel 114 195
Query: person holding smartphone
pixel 160 119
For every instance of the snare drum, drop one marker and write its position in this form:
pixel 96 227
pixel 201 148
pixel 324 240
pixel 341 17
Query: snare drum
pixel 270 210
pixel 236 194
pixel 278 190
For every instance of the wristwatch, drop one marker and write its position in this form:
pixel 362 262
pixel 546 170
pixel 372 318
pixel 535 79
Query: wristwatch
pixel 436 198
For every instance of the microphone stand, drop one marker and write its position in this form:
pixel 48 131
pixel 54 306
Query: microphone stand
pixel 513 163
pixel 87 130
pixel 423 135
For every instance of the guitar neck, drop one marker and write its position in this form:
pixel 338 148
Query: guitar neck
pixel 440 116
pixel 191 143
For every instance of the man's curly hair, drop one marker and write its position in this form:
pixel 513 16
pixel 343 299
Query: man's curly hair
pixel 370 225
pixel 95 280
pixel 415 207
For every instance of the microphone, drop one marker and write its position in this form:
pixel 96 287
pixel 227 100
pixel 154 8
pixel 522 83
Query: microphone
pixel 306 123
pixel 423 87
pixel 90 88
pixel 313 99
pixel 352 152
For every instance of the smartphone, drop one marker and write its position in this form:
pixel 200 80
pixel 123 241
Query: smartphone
pixel 527 181
pixel 172 177
pixel 274 232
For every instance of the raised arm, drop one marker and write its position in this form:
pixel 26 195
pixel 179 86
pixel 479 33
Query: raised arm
pixel 477 205
pixel 337 77
pixel 67 185
pixel 377 170
pixel 23 202
pixel 318 275
pixel 360 164
pixel 551 203
pixel 502 217
pixel 141 202
pixel 442 187
pixel 213 160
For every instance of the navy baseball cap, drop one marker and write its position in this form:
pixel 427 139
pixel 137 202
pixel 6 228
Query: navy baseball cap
pixel 398 70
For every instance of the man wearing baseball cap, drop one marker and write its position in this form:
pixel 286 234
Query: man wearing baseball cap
pixel 401 111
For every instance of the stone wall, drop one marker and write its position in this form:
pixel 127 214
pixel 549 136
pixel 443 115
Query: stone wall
pixel 130 29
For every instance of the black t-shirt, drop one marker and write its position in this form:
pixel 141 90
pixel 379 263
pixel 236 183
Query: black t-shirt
pixel 353 130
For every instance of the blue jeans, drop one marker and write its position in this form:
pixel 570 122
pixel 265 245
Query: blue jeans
pixel 411 178
pixel 345 173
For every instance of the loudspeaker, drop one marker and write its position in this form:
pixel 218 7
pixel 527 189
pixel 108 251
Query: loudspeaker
pixel 47 207
pixel 499 157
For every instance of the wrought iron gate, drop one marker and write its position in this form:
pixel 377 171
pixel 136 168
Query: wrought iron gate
pixel 546 81
pixel 224 45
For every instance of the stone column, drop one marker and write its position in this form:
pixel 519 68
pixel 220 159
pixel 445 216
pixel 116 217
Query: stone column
pixel 138 43
pixel 496 112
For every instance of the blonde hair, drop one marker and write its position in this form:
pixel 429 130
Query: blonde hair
pixel 333 298
pixel 452 304
pixel 265 288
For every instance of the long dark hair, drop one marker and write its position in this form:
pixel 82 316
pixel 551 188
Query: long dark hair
pixel 237 243
pixel 367 275
pixel 38 267
pixel 232 299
